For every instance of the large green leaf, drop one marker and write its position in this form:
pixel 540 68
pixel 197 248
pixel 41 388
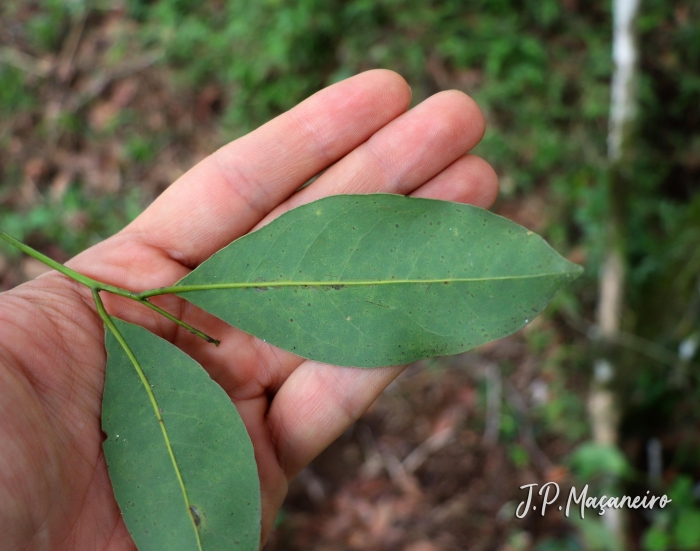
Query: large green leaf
pixel 178 453
pixel 371 280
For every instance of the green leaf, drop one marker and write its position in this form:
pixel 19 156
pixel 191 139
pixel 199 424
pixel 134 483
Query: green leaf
pixel 371 280
pixel 179 456
pixel 655 539
pixel 591 460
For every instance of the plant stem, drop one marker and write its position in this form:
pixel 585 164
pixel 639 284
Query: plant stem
pixel 104 316
pixel 88 282
pixel 97 286
pixel 168 315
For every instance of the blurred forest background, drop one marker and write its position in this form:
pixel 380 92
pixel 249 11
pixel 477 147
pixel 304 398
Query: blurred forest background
pixel 104 103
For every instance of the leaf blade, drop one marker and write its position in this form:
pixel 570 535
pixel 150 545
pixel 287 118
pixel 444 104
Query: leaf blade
pixel 370 280
pixel 184 499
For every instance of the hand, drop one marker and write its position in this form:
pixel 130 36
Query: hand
pixel 54 489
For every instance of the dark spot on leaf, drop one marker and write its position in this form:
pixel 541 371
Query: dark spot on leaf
pixel 195 515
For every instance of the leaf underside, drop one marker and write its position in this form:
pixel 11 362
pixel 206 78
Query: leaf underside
pixel 372 280
pixel 205 495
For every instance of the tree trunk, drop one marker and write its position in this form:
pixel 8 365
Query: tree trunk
pixel 603 403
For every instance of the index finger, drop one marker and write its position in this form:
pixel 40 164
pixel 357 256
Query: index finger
pixel 225 195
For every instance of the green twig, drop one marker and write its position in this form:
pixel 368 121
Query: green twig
pixel 88 282
pixel 97 286
pixel 168 315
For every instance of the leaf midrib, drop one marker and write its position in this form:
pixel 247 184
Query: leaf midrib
pixel 335 283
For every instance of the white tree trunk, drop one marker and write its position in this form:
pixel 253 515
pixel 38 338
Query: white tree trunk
pixel 623 101
pixel 602 404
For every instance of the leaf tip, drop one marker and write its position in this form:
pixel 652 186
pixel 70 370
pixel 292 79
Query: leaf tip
pixel 576 270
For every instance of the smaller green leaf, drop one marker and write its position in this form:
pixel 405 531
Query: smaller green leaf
pixel 179 456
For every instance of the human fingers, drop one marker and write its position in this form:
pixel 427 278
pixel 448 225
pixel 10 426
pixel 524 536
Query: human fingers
pixel 225 195
pixel 410 150
pixel 316 404
pixel 470 179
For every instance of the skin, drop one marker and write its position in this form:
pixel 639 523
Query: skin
pixel 55 493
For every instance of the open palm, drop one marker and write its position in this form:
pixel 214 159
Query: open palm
pixel 54 489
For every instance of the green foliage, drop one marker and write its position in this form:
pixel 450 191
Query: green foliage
pixel 594 534
pixel 563 414
pixel 139 149
pixel 14 95
pixel 47 26
pixel 664 208
pixel 519 456
pixel 534 67
pixel 591 461
pixel 677 527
